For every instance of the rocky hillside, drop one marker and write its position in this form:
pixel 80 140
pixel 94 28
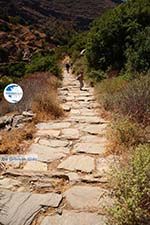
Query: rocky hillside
pixel 18 42
pixel 37 11
pixel 28 25
pixel 56 18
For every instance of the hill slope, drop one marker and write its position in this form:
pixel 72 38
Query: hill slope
pixel 21 20
pixel 40 12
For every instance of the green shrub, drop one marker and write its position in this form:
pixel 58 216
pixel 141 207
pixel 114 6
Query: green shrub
pixel 15 19
pixel 76 45
pixel 118 31
pixel 17 70
pixel 96 75
pixel 80 65
pixel 138 56
pixel 131 186
pixel 4 81
pixel 4 27
pixel 41 63
pixel 4 54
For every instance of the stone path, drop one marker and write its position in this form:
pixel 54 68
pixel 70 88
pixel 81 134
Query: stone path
pixel 68 185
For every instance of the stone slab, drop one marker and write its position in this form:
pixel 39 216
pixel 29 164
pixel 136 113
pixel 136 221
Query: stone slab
pixel 9 183
pixel 86 113
pixel 85 98
pixel 73 177
pixel 48 133
pixel 54 125
pixel 35 166
pixel 21 208
pixel 78 163
pixel 48 154
pixel 53 143
pixel 88 197
pixel 75 218
pixel 70 134
pixel 99 129
pixel 66 108
pixel 85 119
pixel 93 139
pixel 90 148
pixel 105 165
pixel 75 112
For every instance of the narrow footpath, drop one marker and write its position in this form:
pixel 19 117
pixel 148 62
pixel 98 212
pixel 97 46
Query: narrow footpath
pixel 68 184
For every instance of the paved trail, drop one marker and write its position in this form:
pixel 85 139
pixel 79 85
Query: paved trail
pixel 68 184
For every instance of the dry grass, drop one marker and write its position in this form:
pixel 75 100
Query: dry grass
pixel 46 106
pixel 12 141
pixel 126 98
pixel 40 94
pixel 125 134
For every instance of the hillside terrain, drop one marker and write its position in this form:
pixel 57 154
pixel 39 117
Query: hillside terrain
pixel 42 12
pixel 29 26
pixel 20 41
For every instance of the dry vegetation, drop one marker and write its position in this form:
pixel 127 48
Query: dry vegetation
pixel 40 95
pixel 125 134
pixel 15 140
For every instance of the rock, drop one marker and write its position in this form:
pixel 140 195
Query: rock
pixel 85 99
pixel 90 148
pixel 35 174
pixel 73 176
pixel 41 185
pixel 53 143
pixel 26 119
pixel 85 94
pixel 54 125
pixel 70 134
pixel 105 165
pixel 66 108
pixel 22 207
pixel 35 166
pixel 75 112
pixel 17 119
pixel 59 211
pixel 63 89
pixel 8 127
pixel 9 183
pixel 28 114
pixel 75 218
pixel 88 197
pixel 87 113
pixel 5 120
pixel 99 129
pixel 75 105
pixel 48 154
pixel 78 163
pixel 48 133
pixel 70 98
pixel 85 119
pixel 93 139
